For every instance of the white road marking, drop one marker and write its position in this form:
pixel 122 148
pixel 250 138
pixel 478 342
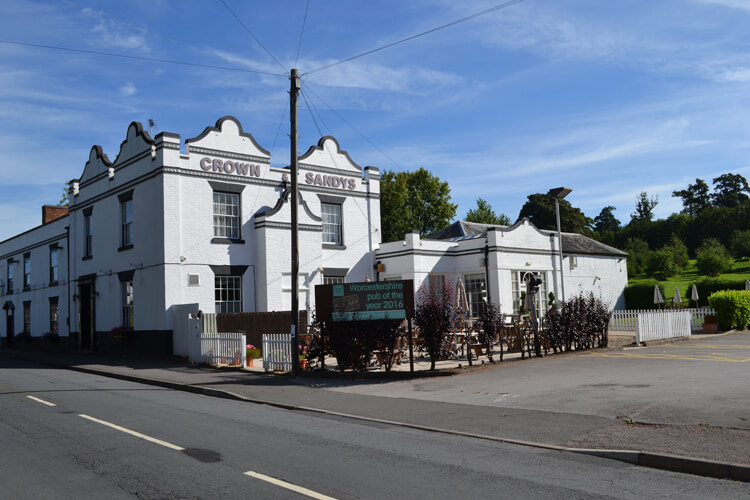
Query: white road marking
pixel 289 486
pixel 133 433
pixel 38 400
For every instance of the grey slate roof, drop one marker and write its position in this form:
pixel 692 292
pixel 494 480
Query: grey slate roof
pixel 572 243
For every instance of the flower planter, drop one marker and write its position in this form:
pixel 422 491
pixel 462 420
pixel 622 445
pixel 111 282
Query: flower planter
pixel 249 362
pixel 710 327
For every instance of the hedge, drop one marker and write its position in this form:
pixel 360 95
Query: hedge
pixel 641 295
pixel 707 286
pixel 732 308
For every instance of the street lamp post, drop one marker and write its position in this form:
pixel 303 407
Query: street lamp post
pixel 558 194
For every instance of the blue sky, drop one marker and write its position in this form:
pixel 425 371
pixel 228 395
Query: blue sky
pixel 609 98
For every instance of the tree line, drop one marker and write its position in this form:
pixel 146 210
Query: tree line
pixel 713 224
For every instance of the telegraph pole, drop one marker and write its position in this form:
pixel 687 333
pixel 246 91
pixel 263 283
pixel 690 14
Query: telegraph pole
pixel 293 91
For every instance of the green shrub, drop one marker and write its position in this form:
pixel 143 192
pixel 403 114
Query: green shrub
pixel 641 295
pixel 707 286
pixel 712 258
pixel 679 252
pixel 661 264
pixel 732 308
pixel 638 251
pixel 740 244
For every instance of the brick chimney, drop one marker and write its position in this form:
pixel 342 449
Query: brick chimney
pixel 53 212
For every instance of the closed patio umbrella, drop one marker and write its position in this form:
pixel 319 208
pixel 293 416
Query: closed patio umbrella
pixel 747 284
pixel 461 307
pixel 694 294
pixel 658 297
pixel 677 297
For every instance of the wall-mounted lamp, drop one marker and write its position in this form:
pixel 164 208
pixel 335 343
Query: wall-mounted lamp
pixel 528 263
pixel 183 258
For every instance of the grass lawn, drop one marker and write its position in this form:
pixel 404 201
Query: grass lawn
pixel 740 269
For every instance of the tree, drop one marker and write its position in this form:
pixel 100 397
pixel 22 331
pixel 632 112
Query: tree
pixel 485 215
pixel 644 208
pixel 661 264
pixel 65 198
pixel 413 200
pixel 729 191
pixel 679 252
pixel 695 197
pixel 712 259
pixel 606 220
pixel 740 244
pixel 540 209
pixel 638 253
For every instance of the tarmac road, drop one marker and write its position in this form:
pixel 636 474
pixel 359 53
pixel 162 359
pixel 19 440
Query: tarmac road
pixel 78 435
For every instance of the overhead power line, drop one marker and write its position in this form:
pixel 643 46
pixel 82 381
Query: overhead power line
pixel 458 21
pixel 251 34
pixel 141 58
pixel 302 31
pixel 353 127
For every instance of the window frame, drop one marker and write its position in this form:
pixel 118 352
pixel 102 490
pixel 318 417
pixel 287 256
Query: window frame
pixel 54 318
pixel 221 272
pixel 228 284
pixel 326 199
pixel 475 297
pixel 518 285
pixel 11 275
pixel 27 316
pixel 127 232
pixel 27 271
pixel 88 233
pixel 338 226
pixel 54 264
pixel 334 275
pixel 225 188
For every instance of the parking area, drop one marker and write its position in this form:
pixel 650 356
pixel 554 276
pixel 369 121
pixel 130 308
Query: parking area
pixel 699 381
pixel 732 349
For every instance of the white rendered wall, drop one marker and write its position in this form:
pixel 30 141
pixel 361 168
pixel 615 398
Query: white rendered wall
pixel 37 243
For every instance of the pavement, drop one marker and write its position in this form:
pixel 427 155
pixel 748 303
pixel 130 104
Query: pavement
pixel 704 449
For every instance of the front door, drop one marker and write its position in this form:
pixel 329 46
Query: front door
pixel 86 297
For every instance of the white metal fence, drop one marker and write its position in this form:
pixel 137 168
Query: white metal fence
pixel 223 348
pixel 658 325
pixel 277 352
pixel 626 319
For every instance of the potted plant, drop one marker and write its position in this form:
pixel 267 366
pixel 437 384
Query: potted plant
pixel 710 324
pixel 251 353
pixel 120 332
pixel 303 352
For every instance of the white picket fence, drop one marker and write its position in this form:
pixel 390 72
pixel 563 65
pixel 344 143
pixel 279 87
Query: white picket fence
pixel 223 348
pixel 659 325
pixel 626 319
pixel 277 352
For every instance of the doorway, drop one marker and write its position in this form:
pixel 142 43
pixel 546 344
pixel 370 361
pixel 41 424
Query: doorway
pixel 86 296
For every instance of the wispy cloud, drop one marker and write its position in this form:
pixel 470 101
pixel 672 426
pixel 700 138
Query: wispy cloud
pixel 112 34
pixel 128 89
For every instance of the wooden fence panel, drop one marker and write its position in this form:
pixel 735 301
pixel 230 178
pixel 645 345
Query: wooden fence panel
pixel 277 352
pixel 255 324
pixel 625 319
pixel 661 325
pixel 223 348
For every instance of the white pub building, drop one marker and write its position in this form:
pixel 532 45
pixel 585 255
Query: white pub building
pixel 206 225
pixel 207 222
